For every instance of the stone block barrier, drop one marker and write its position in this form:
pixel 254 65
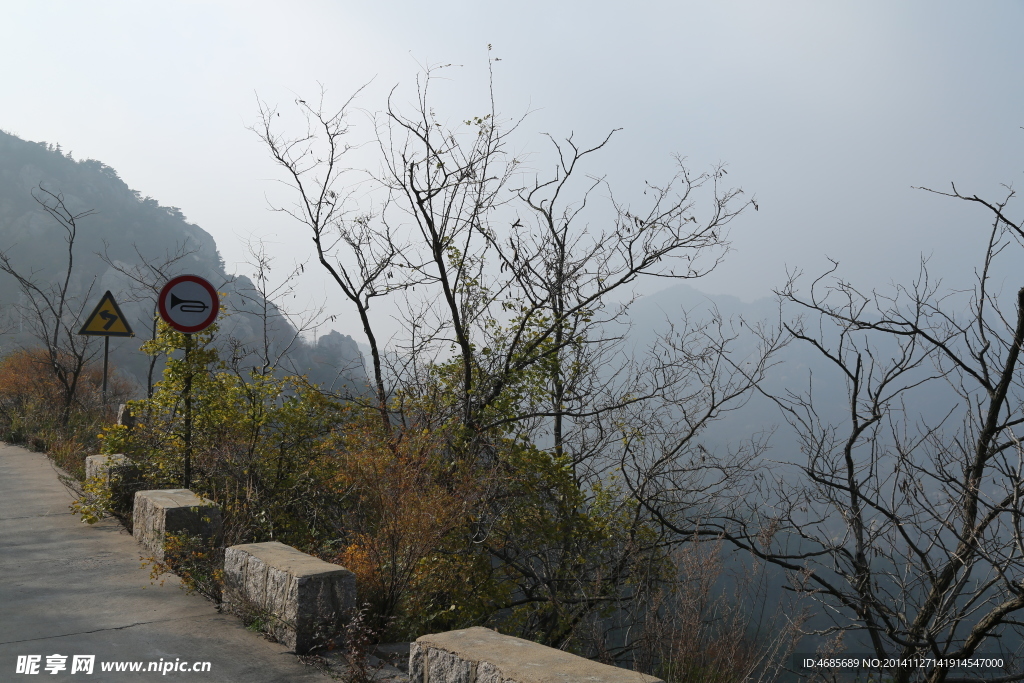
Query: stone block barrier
pixel 119 475
pixel 302 600
pixel 480 655
pixel 100 465
pixel 159 513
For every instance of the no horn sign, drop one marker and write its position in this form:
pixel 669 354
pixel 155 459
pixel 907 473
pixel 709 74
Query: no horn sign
pixel 189 303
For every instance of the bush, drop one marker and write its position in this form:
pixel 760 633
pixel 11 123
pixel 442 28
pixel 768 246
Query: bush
pixel 709 625
pixel 256 445
pixel 31 410
pixel 406 518
pixel 196 561
pixel 443 528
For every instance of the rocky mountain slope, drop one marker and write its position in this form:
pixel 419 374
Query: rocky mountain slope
pixel 128 235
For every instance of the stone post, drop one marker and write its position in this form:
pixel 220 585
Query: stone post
pixel 302 600
pixel 480 655
pixel 162 512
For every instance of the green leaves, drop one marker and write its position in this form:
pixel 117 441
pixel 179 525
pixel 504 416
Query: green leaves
pixel 257 442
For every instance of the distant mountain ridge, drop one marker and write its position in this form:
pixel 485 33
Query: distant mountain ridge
pixel 124 225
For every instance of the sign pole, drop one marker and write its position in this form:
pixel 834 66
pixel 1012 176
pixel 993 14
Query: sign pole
pixel 106 320
pixel 189 304
pixel 106 354
pixel 188 412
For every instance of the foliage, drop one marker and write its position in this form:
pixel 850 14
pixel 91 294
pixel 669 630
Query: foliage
pixel 359 639
pixel 282 460
pixel 437 541
pixel 256 441
pixel 96 502
pixel 407 511
pixel 196 561
pixel 32 413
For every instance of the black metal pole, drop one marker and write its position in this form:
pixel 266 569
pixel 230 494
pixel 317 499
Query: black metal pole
pixel 106 353
pixel 188 413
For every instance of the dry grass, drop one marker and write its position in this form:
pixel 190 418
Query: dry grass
pixel 710 625
pixel 31 408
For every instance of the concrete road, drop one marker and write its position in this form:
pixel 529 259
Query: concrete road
pixel 67 589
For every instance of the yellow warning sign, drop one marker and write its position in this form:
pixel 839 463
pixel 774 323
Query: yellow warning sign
pixel 107 320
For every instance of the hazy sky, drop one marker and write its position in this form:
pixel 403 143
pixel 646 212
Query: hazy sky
pixel 828 112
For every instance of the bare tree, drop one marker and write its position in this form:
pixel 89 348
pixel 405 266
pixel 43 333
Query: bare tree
pixel 148 276
pixel 53 311
pixel 313 166
pixel 511 324
pixel 905 521
pixel 280 330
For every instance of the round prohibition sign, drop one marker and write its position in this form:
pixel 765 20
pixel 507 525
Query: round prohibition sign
pixel 189 303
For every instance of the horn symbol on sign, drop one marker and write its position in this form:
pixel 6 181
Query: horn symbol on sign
pixel 188 305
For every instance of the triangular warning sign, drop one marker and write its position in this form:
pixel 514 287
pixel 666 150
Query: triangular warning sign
pixel 107 320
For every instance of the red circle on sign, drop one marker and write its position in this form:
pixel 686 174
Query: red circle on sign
pixel 188 303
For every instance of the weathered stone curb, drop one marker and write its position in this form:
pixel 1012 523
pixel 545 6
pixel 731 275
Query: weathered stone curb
pixel 162 512
pixel 479 655
pixel 119 475
pixel 100 465
pixel 304 599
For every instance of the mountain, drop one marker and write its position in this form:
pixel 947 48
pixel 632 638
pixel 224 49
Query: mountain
pixel 123 233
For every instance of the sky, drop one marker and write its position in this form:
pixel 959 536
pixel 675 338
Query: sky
pixel 829 113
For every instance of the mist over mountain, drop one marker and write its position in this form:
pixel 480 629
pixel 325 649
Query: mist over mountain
pixel 124 232
pixel 796 368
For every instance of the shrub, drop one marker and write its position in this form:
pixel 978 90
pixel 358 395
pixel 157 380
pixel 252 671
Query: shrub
pixel 405 522
pixel 197 562
pixel 256 445
pixel 444 527
pixel 712 625
pixel 31 410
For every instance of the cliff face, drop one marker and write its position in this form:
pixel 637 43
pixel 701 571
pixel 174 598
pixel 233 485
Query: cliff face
pixel 131 230
pixel 122 219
